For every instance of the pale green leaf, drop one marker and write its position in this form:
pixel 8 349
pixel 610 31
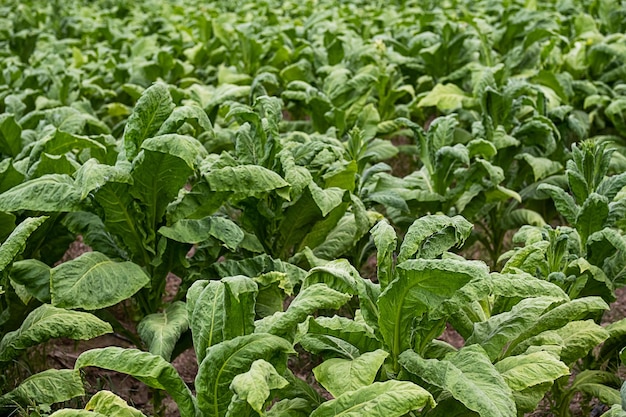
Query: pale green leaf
pixel 47 387
pixel 469 377
pixel 224 361
pixel 339 376
pixel 309 300
pixel 380 399
pixel 161 331
pixel 16 242
pixel 430 236
pixel 445 97
pixel 150 369
pixel 92 281
pixel 48 193
pixel 47 322
pixel 109 404
pixel 152 109
pixel 255 385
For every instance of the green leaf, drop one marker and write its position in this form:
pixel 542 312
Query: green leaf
pixel 109 404
pixel 255 385
pixel 47 387
pixel 579 337
pixel 339 275
pixel 47 322
pixel 469 377
pixel 92 281
pixel 34 276
pixel 200 231
pixel 239 303
pixel 386 242
pixel 592 216
pixel 10 135
pixel 337 336
pixel 183 114
pixel 205 308
pixel 161 331
pixel 16 242
pixel 247 180
pixel 541 167
pixel 380 399
pixel 93 175
pixel 48 193
pixel 158 177
pixel 445 97
pixel 150 369
pixel 563 202
pixel 153 108
pixel 496 333
pixel 309 300
pixel 421 286
pixel 525 371
pixel 224 361
pixel 432 235
pixel 297 407
pixel 339 376
pixel 326 199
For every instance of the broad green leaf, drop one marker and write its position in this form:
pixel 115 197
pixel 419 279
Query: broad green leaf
pixel 109 404
pixel 150 369
pixel 224 361
pixel 592 216
pixel 153 108
pixel 16 242
pixel 157 177
pixel 48 193
pixel 255 385
pixel 93 175
pixel 541 167
pixel 600 384
pixel 578 309
pixel 579 337
pixel 563 202
pixel 421 286
pixel 247 180
pixel 469 377
pixel 297 407
pixel 186 148
pixel 92 281
pixel 380 399
pixel 386 242
pixel 205 308
pixel 337 336
pixel 47 322
pixel 122 217
pixel 525 371
pixel 34 276
pixel 445 97
pixel 326 199
pixel 497 332
pixel 183 114
pixel 430 236
pixel 161 331
pixel 339 376
pixel 10 135
pixel 339 275
pixel 239 303
pixel 47 387
pixel 521 285
pixel 62 142
pixel 200 231
pixel 309 300
pixel 9 175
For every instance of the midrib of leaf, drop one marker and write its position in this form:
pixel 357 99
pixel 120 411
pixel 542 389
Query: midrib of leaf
pixel 219 374
pixel 132 227
pixel 210 340
pixel 88 271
